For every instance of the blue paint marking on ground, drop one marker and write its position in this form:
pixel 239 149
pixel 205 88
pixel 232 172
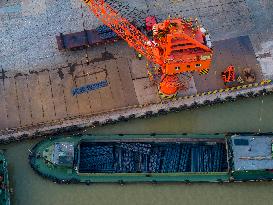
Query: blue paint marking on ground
pixel 89 87
pixel 10 9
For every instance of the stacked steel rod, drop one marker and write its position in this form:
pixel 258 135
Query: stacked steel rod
pixel 152 157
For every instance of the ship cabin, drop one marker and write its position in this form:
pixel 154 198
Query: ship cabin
pixel 252 157
pixel 63 154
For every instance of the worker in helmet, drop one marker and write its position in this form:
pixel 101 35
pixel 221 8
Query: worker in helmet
pixel 139 56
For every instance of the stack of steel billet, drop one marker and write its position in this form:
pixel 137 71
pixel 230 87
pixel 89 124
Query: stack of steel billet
pixel 184 158
pixel 133 157
pixel 154 158
pixel 127 161
pixel 215 153
pixel 103 29
pixel 124 160
pixel 171 158
pixel 224 162
pixel 96 158
pixel 218 158
pixel 117 156
pixel 194 159
pixel 109 35
pixel 144 163
pixel 207 158
pixel 154 163
pixel 105 32
pixel 89 87
pixel 137 147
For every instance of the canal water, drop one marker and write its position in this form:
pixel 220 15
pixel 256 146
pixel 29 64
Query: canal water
pixel 250 115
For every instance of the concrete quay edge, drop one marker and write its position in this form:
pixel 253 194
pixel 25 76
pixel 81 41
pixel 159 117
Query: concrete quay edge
pixel 124 114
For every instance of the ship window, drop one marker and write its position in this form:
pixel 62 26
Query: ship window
pixel 198 65
pixel 188 66
pixel 241 142
pixel 177 68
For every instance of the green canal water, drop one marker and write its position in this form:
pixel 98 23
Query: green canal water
pixel 249 115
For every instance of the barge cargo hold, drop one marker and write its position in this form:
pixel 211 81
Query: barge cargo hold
pixel 4 180
pixel 154 158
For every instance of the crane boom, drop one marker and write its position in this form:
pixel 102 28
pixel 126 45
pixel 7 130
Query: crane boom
pixel 124 29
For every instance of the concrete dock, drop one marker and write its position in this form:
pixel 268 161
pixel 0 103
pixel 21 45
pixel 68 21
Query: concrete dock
pixel 46 95
pixel 37 79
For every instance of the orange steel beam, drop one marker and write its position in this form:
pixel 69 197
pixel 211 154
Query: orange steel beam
pixel 124 29
pixel 188 39
pixel 202 46
pixel 177 48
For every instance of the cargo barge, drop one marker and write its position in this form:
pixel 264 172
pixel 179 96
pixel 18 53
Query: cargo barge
pixel 4 180
pixel 154 158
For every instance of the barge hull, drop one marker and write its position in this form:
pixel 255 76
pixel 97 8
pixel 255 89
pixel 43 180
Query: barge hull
pixel 249 157
pixel 261 175
pixel 4 188
pixel 72 175
pixel 154 178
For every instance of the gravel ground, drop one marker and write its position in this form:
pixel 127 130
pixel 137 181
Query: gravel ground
pixel 28 27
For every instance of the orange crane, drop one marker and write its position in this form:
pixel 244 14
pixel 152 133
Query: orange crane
pixel 178 45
